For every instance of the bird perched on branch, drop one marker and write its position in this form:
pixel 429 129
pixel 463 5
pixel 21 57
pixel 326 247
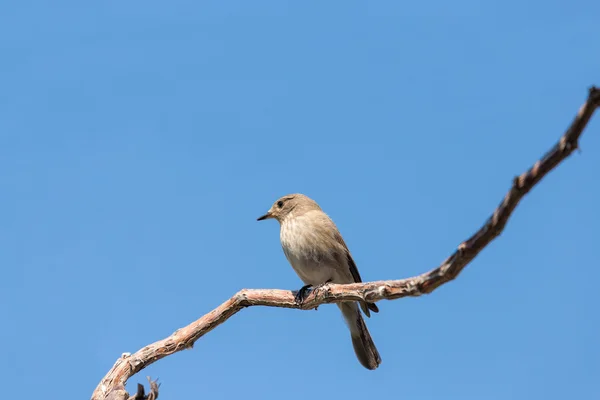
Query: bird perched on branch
pixel 317 252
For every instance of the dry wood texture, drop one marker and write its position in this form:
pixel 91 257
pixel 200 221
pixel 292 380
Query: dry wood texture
pixel 112 385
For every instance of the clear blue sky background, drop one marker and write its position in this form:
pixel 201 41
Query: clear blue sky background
pixel 139 141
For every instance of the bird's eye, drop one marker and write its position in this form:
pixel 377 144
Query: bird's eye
pixel 280 204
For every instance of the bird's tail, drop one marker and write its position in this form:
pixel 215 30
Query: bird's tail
pixel 365 349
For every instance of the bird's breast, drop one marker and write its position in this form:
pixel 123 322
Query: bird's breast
pixel 307 250
pixel 299 237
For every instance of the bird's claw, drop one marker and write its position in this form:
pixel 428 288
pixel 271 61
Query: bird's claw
pixel 302 293
pixel 305 290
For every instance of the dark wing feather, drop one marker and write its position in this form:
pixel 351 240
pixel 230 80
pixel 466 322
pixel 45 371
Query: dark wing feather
pixel 355 274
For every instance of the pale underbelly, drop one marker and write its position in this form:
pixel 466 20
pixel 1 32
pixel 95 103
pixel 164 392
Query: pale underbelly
pixel 312 252
pixel 315 273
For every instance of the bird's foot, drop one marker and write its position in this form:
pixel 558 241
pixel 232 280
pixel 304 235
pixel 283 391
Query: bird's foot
pixel 305 290
pixel 302 293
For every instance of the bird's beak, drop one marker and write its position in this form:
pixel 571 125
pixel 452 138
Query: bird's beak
pixel 266 216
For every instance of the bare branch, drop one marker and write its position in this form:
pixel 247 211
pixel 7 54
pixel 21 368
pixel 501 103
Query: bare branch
pixel 112 385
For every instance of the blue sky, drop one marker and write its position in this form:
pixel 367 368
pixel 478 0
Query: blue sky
pixel 139 142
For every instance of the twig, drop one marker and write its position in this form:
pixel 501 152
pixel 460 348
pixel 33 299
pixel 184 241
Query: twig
pixel 113 384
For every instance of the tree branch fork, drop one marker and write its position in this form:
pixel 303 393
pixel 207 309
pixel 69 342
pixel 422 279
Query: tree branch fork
pixel 112 386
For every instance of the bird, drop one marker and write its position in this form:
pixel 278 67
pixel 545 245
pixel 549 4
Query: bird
pixel 317 252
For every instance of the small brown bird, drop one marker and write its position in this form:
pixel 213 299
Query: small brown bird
pixel 315 248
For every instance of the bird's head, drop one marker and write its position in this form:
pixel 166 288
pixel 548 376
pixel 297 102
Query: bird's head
pixel 291 204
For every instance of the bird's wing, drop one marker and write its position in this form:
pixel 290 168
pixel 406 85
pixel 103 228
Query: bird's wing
pixel 354 271
pixel 349 259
